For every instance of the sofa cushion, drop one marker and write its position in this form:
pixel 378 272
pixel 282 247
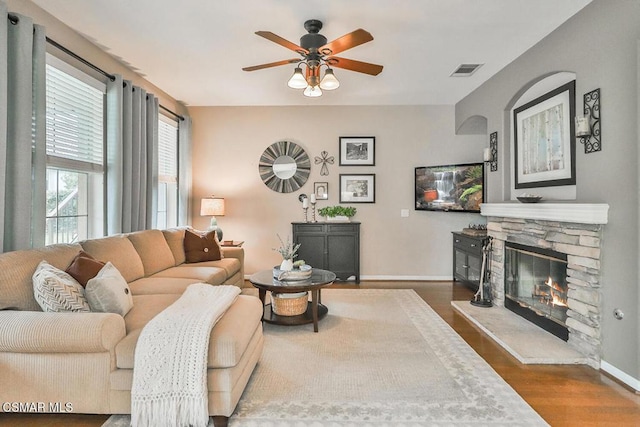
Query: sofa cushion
pixel 145 308
pixel 108 292
pixel 229 338
pixel 153 250
pixel 16 273
pixel 200 247
pixel 160 285
pixel 230 265
pixel 120 251
pixel 175 240
pixel 84 267
pixel 198 272
pixel 56 291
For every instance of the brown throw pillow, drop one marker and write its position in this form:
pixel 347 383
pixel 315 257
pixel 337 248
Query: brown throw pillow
pixel 84 267
pixel 200 247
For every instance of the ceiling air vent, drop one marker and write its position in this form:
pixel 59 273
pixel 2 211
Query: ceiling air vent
pixel 465 70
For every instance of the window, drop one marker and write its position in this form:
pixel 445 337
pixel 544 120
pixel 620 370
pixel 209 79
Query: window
pixel 167 173
pixel 75 159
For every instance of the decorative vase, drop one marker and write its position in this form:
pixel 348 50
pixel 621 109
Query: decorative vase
pixel 286 265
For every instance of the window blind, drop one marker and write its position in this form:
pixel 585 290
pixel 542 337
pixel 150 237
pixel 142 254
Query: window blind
pixel 74 122
pixel 167 151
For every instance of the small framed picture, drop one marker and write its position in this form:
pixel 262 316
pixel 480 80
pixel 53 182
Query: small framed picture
pixel 358 188
pixel 357 151
pixel 321 190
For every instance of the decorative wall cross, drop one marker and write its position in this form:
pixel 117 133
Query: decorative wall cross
pixel 324 170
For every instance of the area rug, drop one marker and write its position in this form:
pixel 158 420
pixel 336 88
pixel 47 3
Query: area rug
pixel 380 358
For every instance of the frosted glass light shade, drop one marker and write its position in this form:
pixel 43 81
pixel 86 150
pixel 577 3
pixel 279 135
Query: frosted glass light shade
pixel 312 91
pixel 329 81
pixel 297 80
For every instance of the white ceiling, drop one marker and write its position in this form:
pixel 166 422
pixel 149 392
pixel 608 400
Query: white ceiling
pixel 194 49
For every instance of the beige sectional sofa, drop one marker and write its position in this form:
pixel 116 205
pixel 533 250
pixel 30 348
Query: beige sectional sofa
pixel 86 359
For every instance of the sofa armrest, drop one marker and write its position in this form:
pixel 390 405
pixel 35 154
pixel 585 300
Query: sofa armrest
pixel 235 252
pixel 40 332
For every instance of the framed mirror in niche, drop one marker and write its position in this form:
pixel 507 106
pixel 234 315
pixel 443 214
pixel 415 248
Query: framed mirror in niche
pixel 284 167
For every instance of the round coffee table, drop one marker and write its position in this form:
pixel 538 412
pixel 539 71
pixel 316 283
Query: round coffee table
pixel 264 281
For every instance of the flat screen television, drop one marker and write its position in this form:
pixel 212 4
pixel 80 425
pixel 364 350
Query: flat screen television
pixel 451 188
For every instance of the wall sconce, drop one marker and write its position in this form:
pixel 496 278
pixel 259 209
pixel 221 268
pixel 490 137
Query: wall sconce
pixel 490 154
pixel 588 126
pixel 213 206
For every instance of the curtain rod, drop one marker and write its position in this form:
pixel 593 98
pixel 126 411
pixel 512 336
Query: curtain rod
pixel 100 70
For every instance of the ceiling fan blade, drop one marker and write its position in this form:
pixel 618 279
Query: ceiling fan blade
pixel 271 64
pixel 353 39
pixel 282 42
pixel 353 65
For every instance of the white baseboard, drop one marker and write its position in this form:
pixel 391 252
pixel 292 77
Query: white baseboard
pixel 406 278
pixel 399 278
pixel 620 375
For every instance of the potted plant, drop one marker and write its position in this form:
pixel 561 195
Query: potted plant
pixel 337 213
pixel 288 251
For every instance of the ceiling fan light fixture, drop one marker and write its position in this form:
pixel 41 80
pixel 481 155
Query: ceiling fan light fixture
pixel 312 91
pixel 329 81
pixel 297 80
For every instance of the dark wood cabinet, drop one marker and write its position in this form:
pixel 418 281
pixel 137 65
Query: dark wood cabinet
pixel 330 246
pixel 467 258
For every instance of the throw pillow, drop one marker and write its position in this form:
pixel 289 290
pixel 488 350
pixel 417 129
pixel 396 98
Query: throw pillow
pixel 108 292
pixel 56 291
pixel 84 267
pixel 199 247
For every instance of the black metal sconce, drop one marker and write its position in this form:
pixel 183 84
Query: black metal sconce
pixel 588 126
pixel 491 153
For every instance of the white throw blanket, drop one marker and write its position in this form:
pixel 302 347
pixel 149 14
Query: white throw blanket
pixel 170 375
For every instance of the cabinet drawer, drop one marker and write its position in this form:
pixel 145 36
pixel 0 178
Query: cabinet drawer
pixel 341 228
pixel 466 243
pixel 308 228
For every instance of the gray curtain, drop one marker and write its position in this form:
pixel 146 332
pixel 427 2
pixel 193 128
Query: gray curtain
pixel 132 158
pixel 184 171
pixel 22 132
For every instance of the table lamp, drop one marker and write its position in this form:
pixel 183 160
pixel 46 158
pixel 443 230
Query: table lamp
pixel 213 206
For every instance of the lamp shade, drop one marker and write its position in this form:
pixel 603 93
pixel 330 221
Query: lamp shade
pixel 312 91
pixel 297 80
pixel 329 81
pixel 213 206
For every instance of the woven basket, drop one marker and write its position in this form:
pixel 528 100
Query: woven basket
pixel 289 304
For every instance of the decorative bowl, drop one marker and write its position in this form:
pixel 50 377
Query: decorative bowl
pixel 529 199
pixel 297 274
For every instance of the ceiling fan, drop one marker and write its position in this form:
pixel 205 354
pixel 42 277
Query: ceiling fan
pixel 314 53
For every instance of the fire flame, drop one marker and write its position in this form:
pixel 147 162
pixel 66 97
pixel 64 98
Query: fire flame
pixel 557 299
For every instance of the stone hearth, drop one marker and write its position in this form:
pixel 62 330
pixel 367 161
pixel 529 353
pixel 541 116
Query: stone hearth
pixel 572 229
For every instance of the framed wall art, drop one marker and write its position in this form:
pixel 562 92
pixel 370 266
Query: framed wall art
pixel 357 188
pixel 321 190
pixel 545 143
pixel 357 151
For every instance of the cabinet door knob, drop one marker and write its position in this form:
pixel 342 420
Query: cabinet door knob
pixel 473 245
pixel 457 241
pixel 465 266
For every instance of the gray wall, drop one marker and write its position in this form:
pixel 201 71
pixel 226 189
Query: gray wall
pixel 599 44
pixel 228 142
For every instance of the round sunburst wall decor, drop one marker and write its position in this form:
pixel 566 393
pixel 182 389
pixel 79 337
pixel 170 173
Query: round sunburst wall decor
pixel 284 167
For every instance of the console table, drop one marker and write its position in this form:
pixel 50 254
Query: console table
pixel 467 258
pixel 330 246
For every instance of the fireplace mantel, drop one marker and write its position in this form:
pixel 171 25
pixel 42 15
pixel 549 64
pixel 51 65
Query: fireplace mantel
pixel 582 213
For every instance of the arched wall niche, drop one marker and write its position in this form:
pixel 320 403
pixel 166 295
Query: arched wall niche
pixel 531 90
pixel 474 125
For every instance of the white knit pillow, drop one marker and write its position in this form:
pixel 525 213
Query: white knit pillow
pixel 56 291
pixel 108 292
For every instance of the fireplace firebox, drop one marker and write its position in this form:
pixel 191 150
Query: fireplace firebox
pixel 536 286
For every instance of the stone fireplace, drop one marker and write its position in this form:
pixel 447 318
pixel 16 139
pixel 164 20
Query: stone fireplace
pixel 569 232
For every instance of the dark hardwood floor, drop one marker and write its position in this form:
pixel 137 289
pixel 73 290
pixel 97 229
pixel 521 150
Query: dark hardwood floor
pixel 564 395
